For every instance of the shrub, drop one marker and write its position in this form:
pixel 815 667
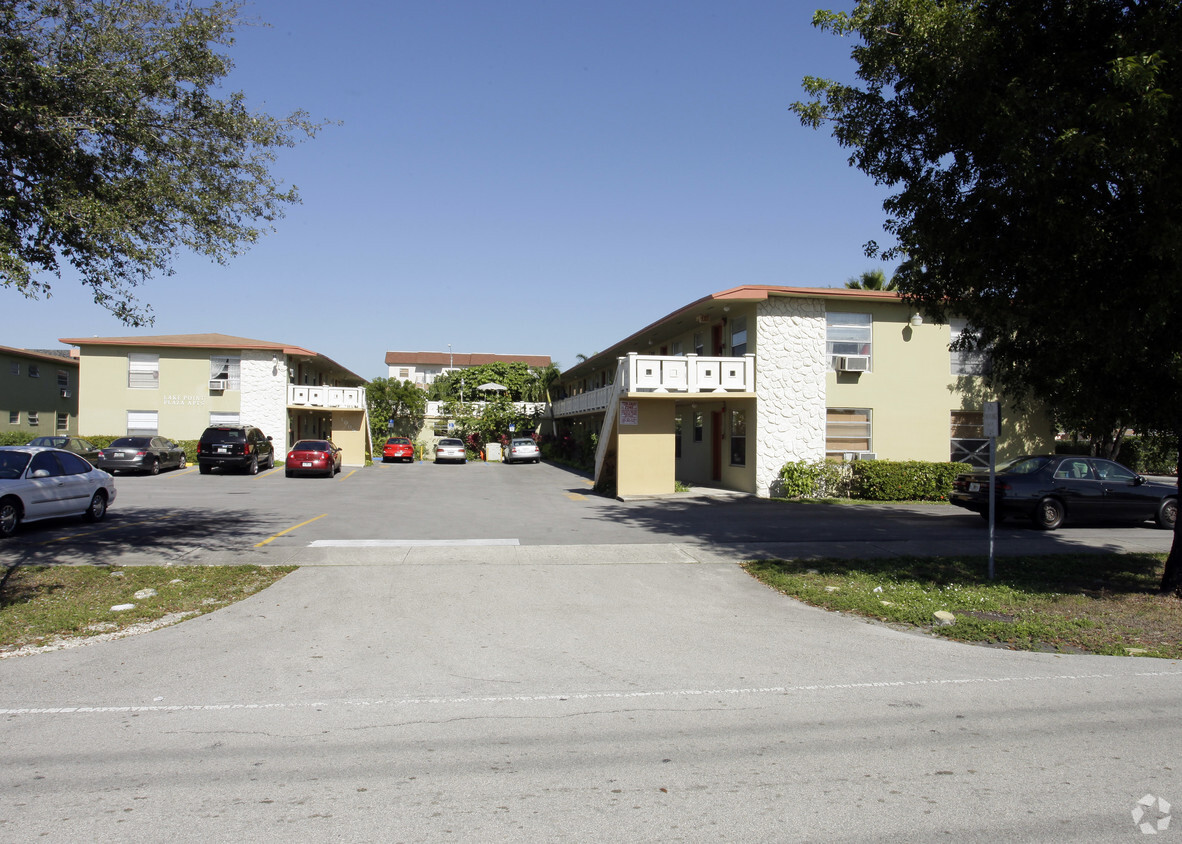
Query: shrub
pixel 813 479
pixel 908 480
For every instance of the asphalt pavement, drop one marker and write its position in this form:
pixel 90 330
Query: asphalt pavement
pixel 511 658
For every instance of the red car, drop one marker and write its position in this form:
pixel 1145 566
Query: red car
pixel 398 448
pixel 313 457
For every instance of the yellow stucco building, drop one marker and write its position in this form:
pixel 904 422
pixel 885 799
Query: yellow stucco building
pixel 177 385
pixel 727 389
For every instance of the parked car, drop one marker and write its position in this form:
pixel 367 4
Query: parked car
pixel 450 450
pixel 142 454
pixel 81 447
pixel 398 448
pixel 234 447
pixel 313 457
pixel 1051 489
pixel 44 483
pixel 523 450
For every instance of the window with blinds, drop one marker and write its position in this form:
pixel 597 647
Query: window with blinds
pixel 218 420
pixel 142 423
pixel 143 371
pixel 847 335
pixel 847 429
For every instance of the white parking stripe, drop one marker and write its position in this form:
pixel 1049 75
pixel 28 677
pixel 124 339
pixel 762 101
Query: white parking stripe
pixel 407 543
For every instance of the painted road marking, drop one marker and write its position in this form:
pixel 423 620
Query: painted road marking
pixel 574 496
pixel 289 530
pixel 408 543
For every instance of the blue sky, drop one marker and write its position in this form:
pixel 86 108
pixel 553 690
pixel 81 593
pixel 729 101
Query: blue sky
pixel 519 177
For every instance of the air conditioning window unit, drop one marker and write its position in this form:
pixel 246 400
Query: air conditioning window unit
pixel 217 385
pixel 65 394
pixel 854 363
pixel 867 455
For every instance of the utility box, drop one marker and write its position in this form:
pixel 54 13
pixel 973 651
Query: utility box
pixel 492 451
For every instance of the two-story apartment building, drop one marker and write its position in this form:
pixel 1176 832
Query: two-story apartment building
pixel 176 385
pixel 38 391
pixel 727 389
pixel 422 368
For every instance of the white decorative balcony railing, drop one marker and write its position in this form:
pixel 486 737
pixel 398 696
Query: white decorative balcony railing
pixel 668 374
pixel 346 398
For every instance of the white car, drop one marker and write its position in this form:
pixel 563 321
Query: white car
pixel 450 450
pixel 523 450
pixel 47 483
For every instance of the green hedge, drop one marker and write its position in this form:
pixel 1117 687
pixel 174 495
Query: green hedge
pixel 101 441
pixel 871 480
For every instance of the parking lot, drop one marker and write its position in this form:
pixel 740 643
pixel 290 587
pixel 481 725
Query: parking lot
pixel 492 512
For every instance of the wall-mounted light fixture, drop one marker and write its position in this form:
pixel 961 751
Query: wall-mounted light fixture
pixel 917 319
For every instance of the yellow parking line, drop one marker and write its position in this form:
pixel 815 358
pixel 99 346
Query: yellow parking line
pixel 574 496
pixel 351 474
pixel 588 482
pixel 289 530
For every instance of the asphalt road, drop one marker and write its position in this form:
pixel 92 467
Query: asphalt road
pixel 585 684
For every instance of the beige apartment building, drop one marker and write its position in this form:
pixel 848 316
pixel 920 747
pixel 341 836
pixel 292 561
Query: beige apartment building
pixel 725 390
pixel 177 385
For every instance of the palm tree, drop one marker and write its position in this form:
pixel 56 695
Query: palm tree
pixel 872 280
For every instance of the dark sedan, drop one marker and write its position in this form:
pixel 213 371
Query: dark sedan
pixel 81 447
pixel 142 454
pixel 1051 489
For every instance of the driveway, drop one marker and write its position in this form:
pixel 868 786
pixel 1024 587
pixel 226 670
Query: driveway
pixel 406 696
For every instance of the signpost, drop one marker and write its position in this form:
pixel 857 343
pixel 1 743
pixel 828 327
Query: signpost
pixel 992 431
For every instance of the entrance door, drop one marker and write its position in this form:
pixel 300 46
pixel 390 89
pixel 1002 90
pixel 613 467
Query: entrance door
pixel 716 445
pixel 716 339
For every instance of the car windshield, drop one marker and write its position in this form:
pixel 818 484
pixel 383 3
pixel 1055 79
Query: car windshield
pixel 1024 465
pixel 131 442
pixel 452 443
pixel 12 464
pixel 398 441
pixel 222 434
pixel 50 442
pixel 310 445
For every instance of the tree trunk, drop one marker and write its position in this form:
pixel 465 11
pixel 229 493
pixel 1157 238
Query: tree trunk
pixel 1171 579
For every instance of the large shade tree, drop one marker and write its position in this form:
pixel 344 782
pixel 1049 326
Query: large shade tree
pixel 118 150
pixel 1032 151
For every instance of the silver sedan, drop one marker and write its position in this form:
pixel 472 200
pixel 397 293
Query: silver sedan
pixel 523 450
pixel 450 450
pixel 47 483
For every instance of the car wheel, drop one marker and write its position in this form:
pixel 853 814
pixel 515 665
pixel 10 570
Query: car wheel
pixel 271 461
pixel 97 511
pixel 253 468
pixel 204 468
pixel 153 467
pixel 184 462
pixel 1049 514
pixel 10 516
pixel 1167 514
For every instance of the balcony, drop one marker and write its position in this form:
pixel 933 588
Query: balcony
pixel 526 408
pixel 658 374
pixel 341 398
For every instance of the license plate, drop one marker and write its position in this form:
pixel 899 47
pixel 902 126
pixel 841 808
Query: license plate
pixel 223 450
pixel 306 465
pixel 974 487
pixel 118 455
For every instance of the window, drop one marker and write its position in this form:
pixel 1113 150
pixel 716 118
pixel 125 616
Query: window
pixel 34 418
pixel 675 349
pixel 968 441
pixel 217 420
pixel 47 462
pixel 966 361
pixel 63 422
pixel 226 369
pixel 739 336
pixel 143 370
pixel 699 343
pixel 677 436
pixel 34 370
pixel 847 430
pixel 847 335
pixel 738 438
pixel 14 367
pixel 441 428
pixel 142 423
pixel 63 379
pixel 404 373
pixel 697 426
pixel 14 417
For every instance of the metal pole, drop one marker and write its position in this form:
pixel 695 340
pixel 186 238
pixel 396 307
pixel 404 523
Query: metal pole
pixel 992 498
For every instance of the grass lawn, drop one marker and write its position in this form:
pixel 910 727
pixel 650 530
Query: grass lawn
pixel 42 605
pixel 1072 603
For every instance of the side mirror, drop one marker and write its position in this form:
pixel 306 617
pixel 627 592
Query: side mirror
pixel 1138 481
pixel 41 473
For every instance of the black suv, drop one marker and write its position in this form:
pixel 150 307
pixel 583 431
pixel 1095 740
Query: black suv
pixel 236 447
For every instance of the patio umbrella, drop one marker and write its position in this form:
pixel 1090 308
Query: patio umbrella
pixel 493 386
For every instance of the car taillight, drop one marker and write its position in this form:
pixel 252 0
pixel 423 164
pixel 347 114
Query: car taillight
pixel 246 448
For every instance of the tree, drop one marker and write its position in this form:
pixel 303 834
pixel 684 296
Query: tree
pixel 871 280
pixel 1033 151
pixel 115 152
pixel 395 407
